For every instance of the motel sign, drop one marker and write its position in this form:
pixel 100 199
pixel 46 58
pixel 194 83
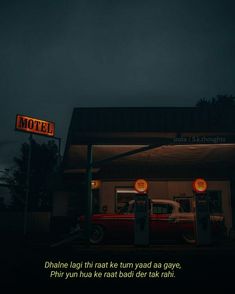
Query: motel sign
pixel 35 126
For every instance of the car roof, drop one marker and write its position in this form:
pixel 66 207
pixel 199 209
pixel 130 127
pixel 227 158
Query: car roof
pixel 163 201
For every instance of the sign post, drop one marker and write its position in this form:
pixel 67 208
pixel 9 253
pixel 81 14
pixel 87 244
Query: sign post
pixel 27 185
pixel 36 126
pixel 141 213
pixel 202 221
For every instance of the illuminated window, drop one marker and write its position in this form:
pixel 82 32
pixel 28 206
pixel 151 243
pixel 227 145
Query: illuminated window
pixel 123 196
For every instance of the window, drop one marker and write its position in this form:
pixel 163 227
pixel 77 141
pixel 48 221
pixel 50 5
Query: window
pixel 185 203
pixel 215 201
pixel 123 196
pixel 161 208
pixel 214 198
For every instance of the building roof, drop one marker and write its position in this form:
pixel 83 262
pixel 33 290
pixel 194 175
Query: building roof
pixel 152 119
pixel 117 130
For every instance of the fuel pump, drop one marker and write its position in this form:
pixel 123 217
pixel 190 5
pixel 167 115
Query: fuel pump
pixel 202 218
pixel 141 211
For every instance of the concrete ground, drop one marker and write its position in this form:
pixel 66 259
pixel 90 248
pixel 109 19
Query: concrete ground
pixel 24 264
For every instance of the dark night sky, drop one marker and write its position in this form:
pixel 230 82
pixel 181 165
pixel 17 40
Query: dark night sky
pixel 56 55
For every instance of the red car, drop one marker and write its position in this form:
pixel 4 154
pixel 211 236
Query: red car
pixel 166 221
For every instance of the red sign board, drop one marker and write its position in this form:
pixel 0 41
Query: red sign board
pixel 33 125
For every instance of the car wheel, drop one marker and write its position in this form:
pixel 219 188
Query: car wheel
pixel 189 238
pixel 97 234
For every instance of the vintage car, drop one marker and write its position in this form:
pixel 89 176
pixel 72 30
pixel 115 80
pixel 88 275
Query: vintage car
pixel 167 221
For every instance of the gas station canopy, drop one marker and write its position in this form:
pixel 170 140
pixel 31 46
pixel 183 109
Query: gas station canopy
pixel 180 139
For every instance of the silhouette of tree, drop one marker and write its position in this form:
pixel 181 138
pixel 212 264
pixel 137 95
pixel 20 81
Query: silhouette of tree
pixel 44 165
pixel 219 111
pixel 220 101
pixel 225 101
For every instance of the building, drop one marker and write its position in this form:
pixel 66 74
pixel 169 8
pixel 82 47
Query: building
pixel 167 146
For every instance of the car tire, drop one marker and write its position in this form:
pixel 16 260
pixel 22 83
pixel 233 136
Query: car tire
pixel 97 234
pixel 189 238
